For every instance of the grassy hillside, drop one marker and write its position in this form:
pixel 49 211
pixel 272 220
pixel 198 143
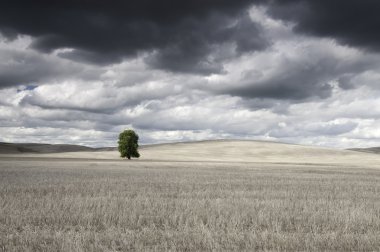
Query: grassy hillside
pixel 227 151
pixel 22 148
pixel 375 150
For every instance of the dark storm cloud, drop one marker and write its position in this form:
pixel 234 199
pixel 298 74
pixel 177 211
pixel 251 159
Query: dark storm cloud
pixel 351 22
pixel 104 32
pixel 307 72
pixel 26 68
pixel 294 85
pixel 191 52
pixel 345 82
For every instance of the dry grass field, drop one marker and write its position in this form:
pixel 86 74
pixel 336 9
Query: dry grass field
pixel 207 196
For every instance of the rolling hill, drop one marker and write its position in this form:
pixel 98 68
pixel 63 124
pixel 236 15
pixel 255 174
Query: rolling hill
pixel 18 148
pixel 375 150
pixel 202 151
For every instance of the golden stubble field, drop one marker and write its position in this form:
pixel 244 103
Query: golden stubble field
pixel 58 203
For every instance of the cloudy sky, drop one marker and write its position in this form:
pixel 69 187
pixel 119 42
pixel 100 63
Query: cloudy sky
pixel 298 71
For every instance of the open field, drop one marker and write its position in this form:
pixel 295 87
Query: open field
pixel 220 195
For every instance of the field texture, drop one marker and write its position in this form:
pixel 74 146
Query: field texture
pixel 52 204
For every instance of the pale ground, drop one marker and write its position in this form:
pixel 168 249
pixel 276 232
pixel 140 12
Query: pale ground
pixel 203 196
pixel 231 151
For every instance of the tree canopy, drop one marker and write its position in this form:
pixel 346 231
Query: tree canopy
pixel 128 144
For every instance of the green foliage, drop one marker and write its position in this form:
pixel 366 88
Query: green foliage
pixel 128 144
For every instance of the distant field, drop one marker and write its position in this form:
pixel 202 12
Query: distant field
pixel 50 203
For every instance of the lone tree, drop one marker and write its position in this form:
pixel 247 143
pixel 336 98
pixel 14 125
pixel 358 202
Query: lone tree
pixel 128 144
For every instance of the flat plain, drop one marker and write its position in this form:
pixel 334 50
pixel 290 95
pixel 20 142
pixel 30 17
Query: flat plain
pixel 203 196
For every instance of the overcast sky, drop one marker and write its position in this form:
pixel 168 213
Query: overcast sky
pixel 298 71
